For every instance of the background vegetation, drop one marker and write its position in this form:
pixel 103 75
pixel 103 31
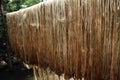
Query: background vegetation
pixel 13 5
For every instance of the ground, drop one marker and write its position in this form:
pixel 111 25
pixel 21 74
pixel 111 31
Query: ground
pixel 19 72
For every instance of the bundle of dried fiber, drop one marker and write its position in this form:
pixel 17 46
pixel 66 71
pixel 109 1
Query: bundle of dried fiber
pixel 74 38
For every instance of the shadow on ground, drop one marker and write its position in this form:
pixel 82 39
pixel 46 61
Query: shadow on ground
pixel 18 73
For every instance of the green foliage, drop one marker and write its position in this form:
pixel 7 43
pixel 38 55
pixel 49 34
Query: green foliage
pixel 30 2
pixel 14 5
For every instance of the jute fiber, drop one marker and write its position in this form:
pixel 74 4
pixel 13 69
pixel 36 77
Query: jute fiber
pixel 77 38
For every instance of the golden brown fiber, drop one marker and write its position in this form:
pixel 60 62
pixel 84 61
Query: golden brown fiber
pixel 77 38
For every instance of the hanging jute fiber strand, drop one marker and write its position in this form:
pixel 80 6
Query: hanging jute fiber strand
pixel 78 39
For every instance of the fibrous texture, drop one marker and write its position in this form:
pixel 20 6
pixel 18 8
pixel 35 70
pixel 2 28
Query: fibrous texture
pixel 77 38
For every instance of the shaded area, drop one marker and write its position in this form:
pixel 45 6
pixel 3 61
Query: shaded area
pixel 18 73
